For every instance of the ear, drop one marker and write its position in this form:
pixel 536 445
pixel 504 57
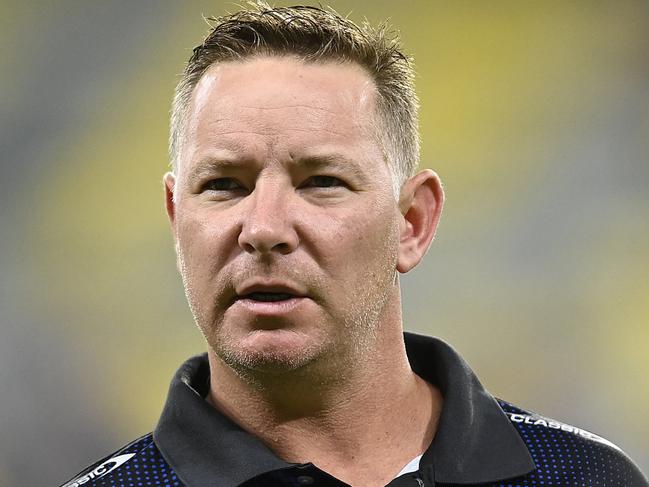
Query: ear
pixel 169 181
pixel 420 202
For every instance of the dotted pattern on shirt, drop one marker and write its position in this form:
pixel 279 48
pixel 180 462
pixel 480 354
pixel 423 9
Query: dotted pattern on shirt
pixel 562 458
pixel 565 455
pixel 146 468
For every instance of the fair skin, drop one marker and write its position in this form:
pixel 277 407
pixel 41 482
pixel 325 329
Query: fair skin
pixel 289 242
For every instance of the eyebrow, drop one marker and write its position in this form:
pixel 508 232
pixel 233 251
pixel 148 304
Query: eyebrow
pixel 212 164
pixel 335 161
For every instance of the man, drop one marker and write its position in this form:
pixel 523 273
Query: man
pixel 294 203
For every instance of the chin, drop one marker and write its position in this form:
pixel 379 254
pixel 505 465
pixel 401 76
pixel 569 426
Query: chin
pixel 269 351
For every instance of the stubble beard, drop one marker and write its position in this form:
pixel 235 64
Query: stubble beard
pixel 330 360
pixel 324 362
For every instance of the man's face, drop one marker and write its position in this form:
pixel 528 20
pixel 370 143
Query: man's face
pixel 286 226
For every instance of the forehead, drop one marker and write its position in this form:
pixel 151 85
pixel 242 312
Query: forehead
pixel 278 106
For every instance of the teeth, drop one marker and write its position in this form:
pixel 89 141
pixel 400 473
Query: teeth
pixel 269 296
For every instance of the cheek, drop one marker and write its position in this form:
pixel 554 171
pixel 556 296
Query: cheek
pixel 362 245
pixel 201 244
pixel 361 268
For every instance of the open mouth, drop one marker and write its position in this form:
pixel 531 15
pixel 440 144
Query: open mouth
pixel 268 297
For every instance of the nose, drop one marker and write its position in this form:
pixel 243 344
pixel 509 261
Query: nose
pixel 268 226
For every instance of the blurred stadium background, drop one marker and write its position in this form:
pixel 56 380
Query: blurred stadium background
pixel 535 114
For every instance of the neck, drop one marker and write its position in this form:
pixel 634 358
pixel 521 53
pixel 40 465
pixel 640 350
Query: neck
pixel 361 424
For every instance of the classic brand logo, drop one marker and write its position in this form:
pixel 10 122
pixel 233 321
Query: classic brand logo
pixel 105 468
pixel 548 423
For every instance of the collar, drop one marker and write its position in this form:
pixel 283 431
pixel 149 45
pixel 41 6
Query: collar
pixel 475 441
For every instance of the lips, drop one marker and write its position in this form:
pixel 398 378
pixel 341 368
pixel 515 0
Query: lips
pixel 268 297
pixel 268 292
pixel 272 300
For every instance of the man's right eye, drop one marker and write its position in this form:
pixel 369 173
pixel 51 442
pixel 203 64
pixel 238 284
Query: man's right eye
pixel 221 184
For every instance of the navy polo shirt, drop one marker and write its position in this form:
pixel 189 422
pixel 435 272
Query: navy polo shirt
pixel 480 441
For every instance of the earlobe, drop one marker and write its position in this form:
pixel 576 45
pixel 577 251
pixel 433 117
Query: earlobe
pixel 421 206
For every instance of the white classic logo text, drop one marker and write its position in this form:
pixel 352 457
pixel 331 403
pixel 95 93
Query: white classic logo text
pixel 548 423
pixel 103 469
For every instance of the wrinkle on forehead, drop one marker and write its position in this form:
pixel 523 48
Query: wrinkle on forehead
pixel 302 115
pixel 238 104
pixel 311 107
pixel 207 132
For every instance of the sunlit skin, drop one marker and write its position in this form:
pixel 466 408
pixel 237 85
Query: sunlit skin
pixel 283 188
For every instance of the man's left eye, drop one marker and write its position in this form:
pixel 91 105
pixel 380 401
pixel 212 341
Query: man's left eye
pixel 324 182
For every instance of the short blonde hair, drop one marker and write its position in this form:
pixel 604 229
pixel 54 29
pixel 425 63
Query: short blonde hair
pixel 313 34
